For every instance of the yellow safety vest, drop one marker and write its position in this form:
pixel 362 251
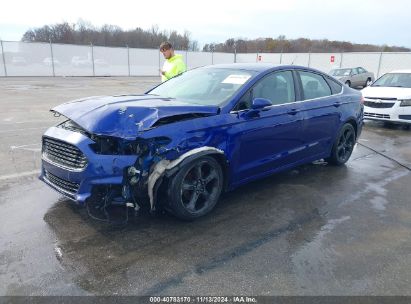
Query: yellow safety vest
pixel 173 67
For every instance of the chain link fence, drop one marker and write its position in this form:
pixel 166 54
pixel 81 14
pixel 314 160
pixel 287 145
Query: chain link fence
pixel 394 61
pixel 50 59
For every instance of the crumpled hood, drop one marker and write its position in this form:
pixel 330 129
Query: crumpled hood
pixel 387 92
pixel 126 115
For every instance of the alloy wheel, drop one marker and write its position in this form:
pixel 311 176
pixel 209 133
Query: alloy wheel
pixel 345 144
pixel 200 187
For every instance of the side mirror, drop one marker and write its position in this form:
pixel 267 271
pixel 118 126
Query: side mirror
pixel 259 103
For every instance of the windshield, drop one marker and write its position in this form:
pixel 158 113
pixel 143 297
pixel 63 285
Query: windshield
pixel 340 72
pixel 204 86
pixel 400 80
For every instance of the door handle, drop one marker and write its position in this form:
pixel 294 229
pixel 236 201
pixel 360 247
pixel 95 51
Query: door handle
pixel 293 112
pixel 337 104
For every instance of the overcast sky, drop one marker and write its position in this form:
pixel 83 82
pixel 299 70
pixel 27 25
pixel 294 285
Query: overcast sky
pixel 366 21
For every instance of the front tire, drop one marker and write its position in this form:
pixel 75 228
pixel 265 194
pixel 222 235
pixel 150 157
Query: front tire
pixel 343 146
pixel 195 189
pixel 348 83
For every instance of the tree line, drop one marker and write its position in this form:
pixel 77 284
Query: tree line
pixel 300 45
pixel 83 33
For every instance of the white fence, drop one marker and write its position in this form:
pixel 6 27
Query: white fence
pixel 46 59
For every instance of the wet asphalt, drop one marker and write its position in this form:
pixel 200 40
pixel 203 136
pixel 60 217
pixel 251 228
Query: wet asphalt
pixel 313 230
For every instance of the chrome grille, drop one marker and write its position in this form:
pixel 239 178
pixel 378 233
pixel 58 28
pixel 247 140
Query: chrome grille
pixel 376 115
pixel 380 98
pixel 379 105
pixel 63 153
pixel 66 187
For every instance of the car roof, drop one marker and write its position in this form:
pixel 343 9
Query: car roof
pixel 257 67
pixel 347 68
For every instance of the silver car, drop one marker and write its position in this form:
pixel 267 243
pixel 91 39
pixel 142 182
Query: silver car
pixel 354 77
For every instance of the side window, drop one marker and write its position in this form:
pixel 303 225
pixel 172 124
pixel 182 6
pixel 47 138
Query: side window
pixel 277 87
pixel 361 70
pixel 335 86
pixel 314 85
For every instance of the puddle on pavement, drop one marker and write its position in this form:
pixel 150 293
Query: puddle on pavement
pixel 244 220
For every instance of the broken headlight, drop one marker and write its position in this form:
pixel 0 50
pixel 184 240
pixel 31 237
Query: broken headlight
pixel 108 145
pixel 72 126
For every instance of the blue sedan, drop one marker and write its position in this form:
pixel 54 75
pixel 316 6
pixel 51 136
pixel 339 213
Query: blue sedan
pixel 209 130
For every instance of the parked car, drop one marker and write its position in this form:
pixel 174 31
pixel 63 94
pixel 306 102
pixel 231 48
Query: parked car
pixel 18 60
pixel 209 130
pixel 78 61
pixel 389 98
pixel 353 77
pixel 101 62
pixel 48 61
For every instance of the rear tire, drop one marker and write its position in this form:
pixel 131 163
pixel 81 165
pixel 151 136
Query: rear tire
pixel 343 146
pixel 348 83
pixel 195 189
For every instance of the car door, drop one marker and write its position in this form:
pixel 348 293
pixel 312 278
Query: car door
pixel 356 78
pixel 270 138
pixel 321 107
pixel 363 76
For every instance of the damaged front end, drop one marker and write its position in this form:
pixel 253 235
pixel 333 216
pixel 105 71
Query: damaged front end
pixel 113 203
pixel 113 176
pixel 156 160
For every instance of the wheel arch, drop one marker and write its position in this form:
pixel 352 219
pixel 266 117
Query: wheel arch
pixel 166 168
pixel 353 122
pixel 225 165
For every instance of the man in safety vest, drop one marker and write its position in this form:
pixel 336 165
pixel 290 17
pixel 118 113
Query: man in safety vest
pixel 174 64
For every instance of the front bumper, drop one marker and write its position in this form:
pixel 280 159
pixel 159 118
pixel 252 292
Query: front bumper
pixel 392 114
pixel 77 184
